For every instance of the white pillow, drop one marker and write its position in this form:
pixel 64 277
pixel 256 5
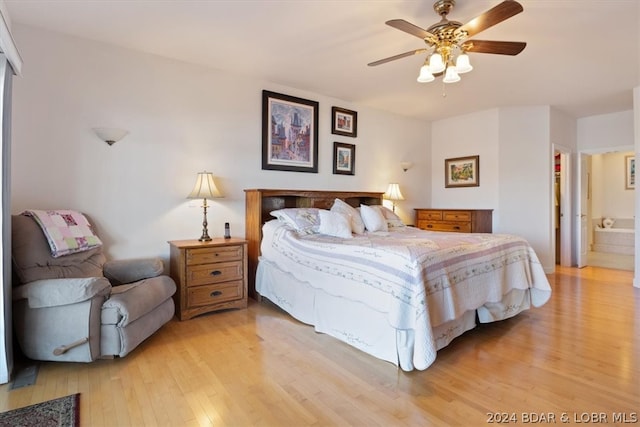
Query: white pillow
pixel 339 206
pixel 373 218
pixel 334 224
pixel 393 220
pixel 303 220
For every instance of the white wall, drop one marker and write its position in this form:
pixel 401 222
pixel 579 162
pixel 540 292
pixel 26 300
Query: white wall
pixel 525 158
pixel 598 134
pixel 182 119
pixel 461 136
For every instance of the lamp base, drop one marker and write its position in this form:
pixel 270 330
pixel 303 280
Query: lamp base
pixel 204 238
pixel 205 232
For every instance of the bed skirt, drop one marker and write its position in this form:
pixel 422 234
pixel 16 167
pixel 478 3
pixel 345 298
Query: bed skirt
pixel 359 325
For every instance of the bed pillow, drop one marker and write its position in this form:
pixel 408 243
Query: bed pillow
pixel 303 220
pixel 334 224
pixel 373 218
pixel 393 220
pixel 339 206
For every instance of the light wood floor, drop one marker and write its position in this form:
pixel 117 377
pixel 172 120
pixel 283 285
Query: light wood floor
pixel 576 356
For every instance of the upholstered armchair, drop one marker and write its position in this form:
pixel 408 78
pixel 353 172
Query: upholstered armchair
pixel 80 307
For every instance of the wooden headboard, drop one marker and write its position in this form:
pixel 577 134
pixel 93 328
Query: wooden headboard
pixel 259 202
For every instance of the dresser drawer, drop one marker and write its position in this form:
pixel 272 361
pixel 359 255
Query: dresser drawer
pixel 213 294
pixel 214 273
pixel 457 216
pixel 209 255
pixel 461 227
pixel 430 215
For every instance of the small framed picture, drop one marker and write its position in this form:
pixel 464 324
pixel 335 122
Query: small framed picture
pixel 462 172
pixel 629 172
pixel 344 122
pixel 344 159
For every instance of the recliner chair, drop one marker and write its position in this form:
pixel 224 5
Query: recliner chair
pixel 80 307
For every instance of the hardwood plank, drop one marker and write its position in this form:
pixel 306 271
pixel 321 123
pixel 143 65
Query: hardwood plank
pixel 576 355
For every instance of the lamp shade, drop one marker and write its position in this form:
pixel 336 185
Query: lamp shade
pixel 205 187
pixel 393 192
pixel 110 135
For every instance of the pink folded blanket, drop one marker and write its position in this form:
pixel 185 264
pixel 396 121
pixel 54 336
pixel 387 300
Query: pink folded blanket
pixel 67 231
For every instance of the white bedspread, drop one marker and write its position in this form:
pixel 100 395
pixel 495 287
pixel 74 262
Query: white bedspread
pixel 420 279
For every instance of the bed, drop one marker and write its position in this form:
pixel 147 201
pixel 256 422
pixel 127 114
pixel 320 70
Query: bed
pixel 399 294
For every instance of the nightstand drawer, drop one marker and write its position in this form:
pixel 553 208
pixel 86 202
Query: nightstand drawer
pixel 213 294
pixel 209 255
pixel 457 216
pixel 214 273
pixel 443 226
pixel 430 215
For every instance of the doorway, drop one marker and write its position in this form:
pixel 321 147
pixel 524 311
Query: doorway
pixel 610 208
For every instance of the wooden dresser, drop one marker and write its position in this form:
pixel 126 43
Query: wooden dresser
pixel 457 220
pixel 210 275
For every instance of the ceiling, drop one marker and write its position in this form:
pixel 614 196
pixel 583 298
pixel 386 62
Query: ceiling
pixel 582 56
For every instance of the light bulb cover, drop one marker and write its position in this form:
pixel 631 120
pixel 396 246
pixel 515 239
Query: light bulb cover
pixel 436 64
pixel 462 64
pixel 425 75
pixel 451 76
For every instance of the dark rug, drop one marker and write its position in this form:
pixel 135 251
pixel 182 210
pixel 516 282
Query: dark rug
pixel 64 411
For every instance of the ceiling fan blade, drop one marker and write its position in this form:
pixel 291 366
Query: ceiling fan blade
pixel 399 56
pixel 491 17
pixel 408 27
pixel 490 46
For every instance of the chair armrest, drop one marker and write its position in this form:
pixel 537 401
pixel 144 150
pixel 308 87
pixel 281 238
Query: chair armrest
pixel 56 292
pixel 131 270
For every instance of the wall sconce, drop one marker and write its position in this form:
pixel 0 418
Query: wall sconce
pixel 406 165
pixel 393 193
pixel 204 189
pixel 110 135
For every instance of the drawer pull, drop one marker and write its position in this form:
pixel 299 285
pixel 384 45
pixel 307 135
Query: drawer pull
pixel 429 226
pixel 456 227
pixel 216 273
pixel 215 293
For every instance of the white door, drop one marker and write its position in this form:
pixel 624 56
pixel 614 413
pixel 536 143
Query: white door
pixel 581 215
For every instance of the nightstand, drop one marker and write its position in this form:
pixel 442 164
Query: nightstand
pixel 210 276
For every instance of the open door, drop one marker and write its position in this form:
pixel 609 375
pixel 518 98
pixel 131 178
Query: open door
pixel 582 240
pixel 562 206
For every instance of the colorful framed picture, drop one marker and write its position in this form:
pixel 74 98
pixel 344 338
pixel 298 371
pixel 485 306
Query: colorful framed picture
pixel 344 122
pixel 289 133
pixel 462 172
pixel 344 158
pixel 630 172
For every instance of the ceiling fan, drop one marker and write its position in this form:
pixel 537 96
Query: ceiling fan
pixel 448 41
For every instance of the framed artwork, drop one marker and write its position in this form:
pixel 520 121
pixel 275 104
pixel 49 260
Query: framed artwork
pixel 344 159
pixel 462 172
pixel 289 133
pixel 344 122
pixel 630 172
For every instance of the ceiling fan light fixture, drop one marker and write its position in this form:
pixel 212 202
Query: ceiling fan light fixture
pixel 425 75
pixel 462 64
pixel 436 64
pixel 451 75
